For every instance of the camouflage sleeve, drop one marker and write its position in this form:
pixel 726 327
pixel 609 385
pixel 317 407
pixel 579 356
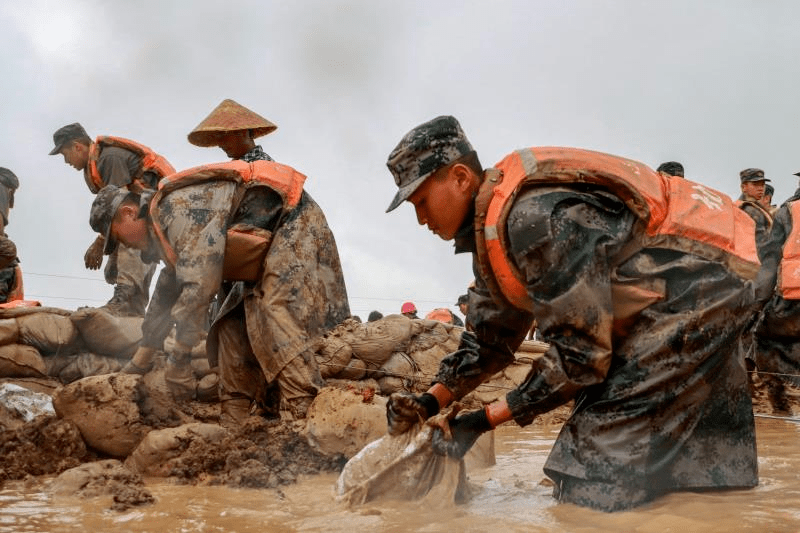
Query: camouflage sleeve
pixel 770 253
pixel 158 319
pixel 8 251
pixel 196 219
pixel 762 227
pixel 562 240
pixel 113 165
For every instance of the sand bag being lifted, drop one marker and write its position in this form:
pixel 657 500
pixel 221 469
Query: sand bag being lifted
pixel 403 467
pixel 106 334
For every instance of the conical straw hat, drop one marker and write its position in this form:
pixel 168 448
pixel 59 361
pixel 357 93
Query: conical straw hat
pixel 228 117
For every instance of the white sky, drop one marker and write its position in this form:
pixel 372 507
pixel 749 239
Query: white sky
pixel 711 84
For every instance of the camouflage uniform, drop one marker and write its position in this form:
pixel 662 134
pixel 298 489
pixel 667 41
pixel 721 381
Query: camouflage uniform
pixel 762 218
pixel 8 250
pixel 661 405
pixel 264 330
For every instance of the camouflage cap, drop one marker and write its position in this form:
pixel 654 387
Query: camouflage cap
pixel 769 190
pixel 104 207
pixel 463 299
pixel 752 174
pixel 8 179
pixel 67 133
pixel 673 168
pixel 422 151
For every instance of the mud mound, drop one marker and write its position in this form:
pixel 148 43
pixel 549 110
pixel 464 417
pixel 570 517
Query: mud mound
pixel 102 478
pixel 46 445
pixel 260 454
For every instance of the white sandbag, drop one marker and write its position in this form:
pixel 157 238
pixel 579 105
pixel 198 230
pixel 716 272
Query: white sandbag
pixel 403 467
pixel 21 361
pixel 48 332
pixel 155 453
pixel 106 334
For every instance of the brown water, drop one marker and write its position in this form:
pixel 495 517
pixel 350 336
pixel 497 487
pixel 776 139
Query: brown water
pixel 507 497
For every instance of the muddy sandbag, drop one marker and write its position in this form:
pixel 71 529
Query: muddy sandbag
pixel 374 342
pixel 399 373
pixel 21 361
pixel 344 421
pixel 403 467
pixel 106 334
pixel 25 403
pixel 115 411
pixel 333 356
pixel 155 454
pixel 9 331
pixel 104 478
pixel 48 332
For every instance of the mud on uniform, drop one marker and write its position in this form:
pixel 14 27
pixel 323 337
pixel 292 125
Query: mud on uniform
pixel 661 400
pixel 124 268
pixel 264 330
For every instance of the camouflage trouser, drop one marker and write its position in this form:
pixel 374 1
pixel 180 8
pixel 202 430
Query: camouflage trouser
pixel 131 278
pixel 242 374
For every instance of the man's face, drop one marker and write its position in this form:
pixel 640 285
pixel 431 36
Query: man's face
pixel 76 155
pixel 442 202
pixel 463 309
pixel 236 144
pixel 754 189
pixel 130 230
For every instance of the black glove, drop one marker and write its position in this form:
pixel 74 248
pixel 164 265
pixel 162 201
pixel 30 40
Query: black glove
pixel 465 430
pixel 405 409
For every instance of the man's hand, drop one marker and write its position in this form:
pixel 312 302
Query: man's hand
pixel 404 410
pixel 93 258
pixel 464 431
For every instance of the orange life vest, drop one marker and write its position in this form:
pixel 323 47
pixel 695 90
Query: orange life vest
pixel 676 213
pixel 16 296
pixel 283 179
pixel 151 162
pixel 789 279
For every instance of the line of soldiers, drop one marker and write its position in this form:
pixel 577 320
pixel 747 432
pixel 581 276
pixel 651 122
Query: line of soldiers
pixel 642 283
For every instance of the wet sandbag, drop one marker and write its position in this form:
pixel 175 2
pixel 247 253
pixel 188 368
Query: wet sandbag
pixel 403 467
pixel 399 373
pixel 48 332
pixel 9 331
pixel 374 342
pixel 21 361
pixel 106 334
pixel 333 356
pixel 345 420
pixel 155 453
pixel 114 411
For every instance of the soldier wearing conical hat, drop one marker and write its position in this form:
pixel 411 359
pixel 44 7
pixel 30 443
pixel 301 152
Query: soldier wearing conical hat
pixel 233 127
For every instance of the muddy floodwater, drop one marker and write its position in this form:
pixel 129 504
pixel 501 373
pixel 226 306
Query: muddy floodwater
pixel 509 496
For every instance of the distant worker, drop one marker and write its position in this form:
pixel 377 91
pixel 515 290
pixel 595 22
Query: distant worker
pixel 639 294
pixel 463 305
pixel 233 127
pixel 443 314
pixel 251 231
pixel 766 200
pixel 753 184
pixel 409 309
pixel 123 163
pixel 11 286
pixel 673 168
pixel 374 315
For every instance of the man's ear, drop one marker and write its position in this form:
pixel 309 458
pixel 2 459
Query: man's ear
pixel 463 176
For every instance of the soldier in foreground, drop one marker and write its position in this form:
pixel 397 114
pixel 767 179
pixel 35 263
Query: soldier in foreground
pixel 123 163
pixel 640 307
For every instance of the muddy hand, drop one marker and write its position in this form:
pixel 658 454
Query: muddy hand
pixel 404 410
pixel 93 258
pixel 464 431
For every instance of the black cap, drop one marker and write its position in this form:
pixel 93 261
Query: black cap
pixel 673 168
pixel 424 150
pixel 68 133
pixel 752 174
pixel 8 179
pixel 463 299
pixel 104 207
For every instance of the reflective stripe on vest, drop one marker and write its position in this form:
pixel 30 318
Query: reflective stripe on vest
pixel 789 279
pixel 151 162
pixel 283 179
pixel 678 214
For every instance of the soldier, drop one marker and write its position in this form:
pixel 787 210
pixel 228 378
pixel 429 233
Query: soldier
pixel 11 287
pixel 766 200
pixel 252 226
pixel 673 168
pixel 124 163
pixel 233 128
pixel 639 296
pixel 753 184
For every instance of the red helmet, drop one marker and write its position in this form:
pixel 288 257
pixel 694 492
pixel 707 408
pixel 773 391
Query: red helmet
pixel 408 307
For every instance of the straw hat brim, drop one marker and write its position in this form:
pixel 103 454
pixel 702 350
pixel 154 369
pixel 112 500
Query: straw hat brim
pixel 226 118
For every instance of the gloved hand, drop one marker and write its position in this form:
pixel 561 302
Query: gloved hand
pixel 93 257
pixel 141 362
pixel 464 431
pixel 405 409
pixel 179 375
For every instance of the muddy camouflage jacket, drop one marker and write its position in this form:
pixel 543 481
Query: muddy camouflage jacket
pixel 762 218
pixel 118 166
pixel 661 401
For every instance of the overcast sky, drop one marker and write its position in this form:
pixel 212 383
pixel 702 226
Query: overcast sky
pixel 711 84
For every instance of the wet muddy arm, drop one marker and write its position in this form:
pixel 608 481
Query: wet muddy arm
pixel 158 320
